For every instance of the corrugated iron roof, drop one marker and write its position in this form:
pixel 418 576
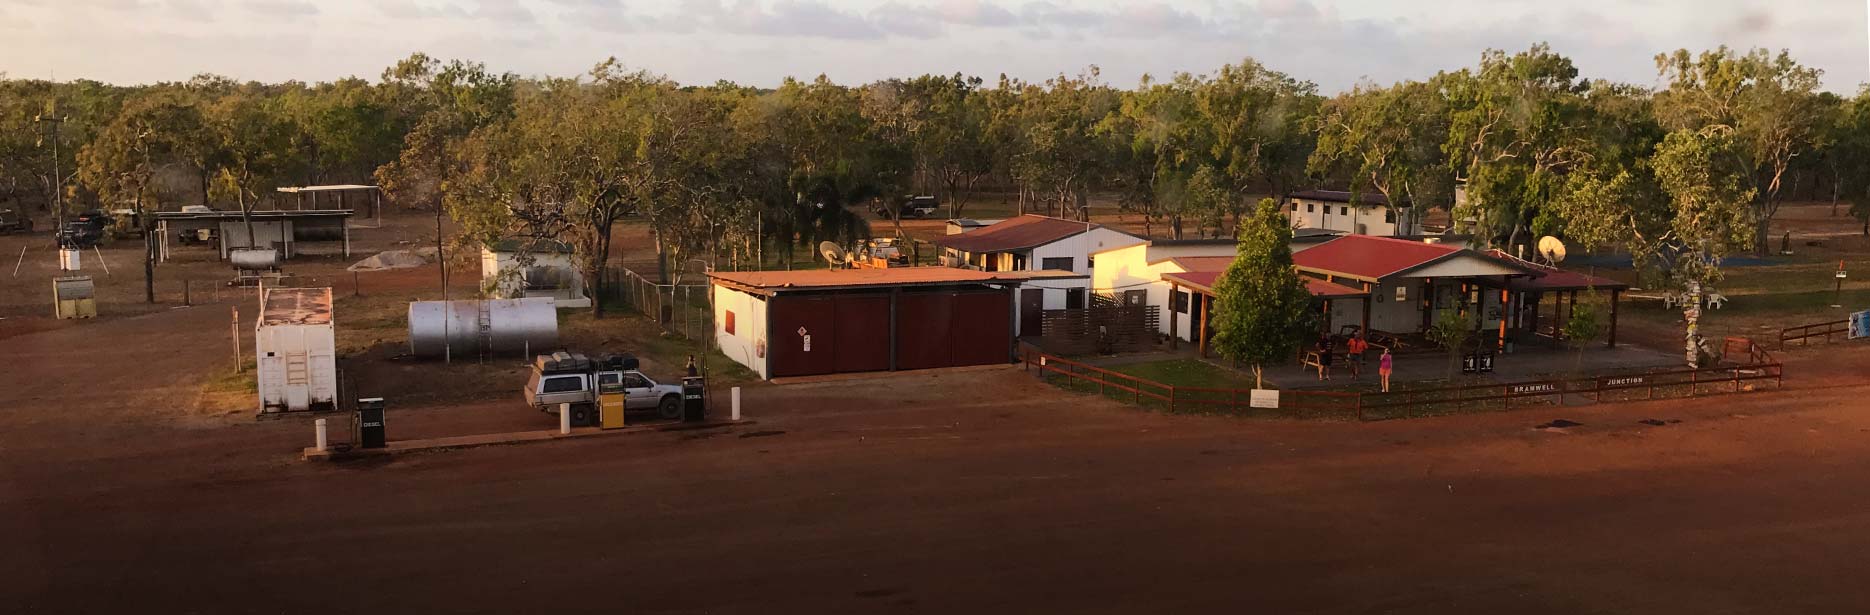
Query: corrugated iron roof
pixel 1203 281
pixel 1554 278
pixel 1022 233
pixel 831 279
pixel 297 306
pixel 1340 196
pixel 1371 258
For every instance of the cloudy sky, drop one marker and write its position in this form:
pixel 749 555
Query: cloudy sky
pixel 1335 43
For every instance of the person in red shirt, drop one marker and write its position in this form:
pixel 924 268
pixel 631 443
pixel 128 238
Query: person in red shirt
pixel 1355 354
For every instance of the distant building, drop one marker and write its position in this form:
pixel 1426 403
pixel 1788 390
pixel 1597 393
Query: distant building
pixel 1349 212
pixel 1037 243
pixel 551 272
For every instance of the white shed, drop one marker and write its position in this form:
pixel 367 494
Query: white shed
pixel 550 272
pixel 295 345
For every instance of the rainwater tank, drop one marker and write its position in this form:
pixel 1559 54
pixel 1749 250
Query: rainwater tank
pixel 468 328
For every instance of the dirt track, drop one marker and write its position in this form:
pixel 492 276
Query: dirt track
pixel 968 492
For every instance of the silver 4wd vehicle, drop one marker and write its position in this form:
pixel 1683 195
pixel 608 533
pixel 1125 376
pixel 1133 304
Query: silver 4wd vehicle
pixel 569 378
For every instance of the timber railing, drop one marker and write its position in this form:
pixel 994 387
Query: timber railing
pixel 1803 334
pixel 1759 370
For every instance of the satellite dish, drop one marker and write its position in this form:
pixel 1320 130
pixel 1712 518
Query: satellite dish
pixel 1552 249
pixel 833 254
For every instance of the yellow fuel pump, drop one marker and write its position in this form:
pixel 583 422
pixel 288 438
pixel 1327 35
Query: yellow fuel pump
pixel 610 405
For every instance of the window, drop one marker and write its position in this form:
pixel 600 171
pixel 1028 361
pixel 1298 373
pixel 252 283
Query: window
pixel 610 378
pixel 1062 263
pixel 1135 297
pixel 635 381
pixel 1074 298
pixel 1389 215
pixel 563 384
pixel 1308 207
pixel 1090 263
pixel 728 324
pixel 1179 302
pixel 1402 293
pixel 1344 211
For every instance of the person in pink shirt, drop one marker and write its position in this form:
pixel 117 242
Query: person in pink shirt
pixel 1384 365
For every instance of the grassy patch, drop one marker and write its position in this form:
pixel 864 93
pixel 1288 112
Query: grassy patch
pixel 1188 373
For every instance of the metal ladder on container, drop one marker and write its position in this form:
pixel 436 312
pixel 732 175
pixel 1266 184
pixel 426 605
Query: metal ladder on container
pixel 298 371
pixel 483 322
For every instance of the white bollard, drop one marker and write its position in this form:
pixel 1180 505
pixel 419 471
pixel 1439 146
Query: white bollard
pixel 735 395
pixel 564 419
pixel 323 441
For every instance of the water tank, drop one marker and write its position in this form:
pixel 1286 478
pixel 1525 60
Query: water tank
pixel 253 259
pixel 454 328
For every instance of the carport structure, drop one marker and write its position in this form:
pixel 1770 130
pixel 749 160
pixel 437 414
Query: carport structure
pixel 343 193
pixel 282 230
pixel 803 323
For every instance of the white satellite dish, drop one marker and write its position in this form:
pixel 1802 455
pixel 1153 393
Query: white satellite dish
pixel 1552 249
pixel 833 253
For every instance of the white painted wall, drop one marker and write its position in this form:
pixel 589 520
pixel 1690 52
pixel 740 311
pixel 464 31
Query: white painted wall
pixel 745 345
pixel 279 347
pixel 494 268
pixel 1359 219
pixel 1141 266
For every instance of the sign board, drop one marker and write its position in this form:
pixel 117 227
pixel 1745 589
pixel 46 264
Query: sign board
pixel 1543 387
pixel 1860 325
pixel 1263 398
pixel 1477 363
pixel 1624 381
pixel 808 343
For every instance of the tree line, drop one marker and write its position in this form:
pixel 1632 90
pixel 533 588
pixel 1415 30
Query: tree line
pixel 1683 174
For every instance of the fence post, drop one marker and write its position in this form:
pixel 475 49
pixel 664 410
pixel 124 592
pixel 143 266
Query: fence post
pixel 1171 398
pixel 1736 380
pixel 1360 406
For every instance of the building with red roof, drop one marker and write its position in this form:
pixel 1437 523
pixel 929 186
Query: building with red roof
pixel 1036 243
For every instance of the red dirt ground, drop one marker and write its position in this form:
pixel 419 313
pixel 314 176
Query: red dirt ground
pixel 934 492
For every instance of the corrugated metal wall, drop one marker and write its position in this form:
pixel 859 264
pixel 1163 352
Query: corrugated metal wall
pixel 851 333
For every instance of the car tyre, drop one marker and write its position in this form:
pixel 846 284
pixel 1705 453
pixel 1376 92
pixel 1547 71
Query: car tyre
pixel 670 407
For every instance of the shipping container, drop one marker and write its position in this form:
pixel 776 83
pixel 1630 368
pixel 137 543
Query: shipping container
pixel 295 344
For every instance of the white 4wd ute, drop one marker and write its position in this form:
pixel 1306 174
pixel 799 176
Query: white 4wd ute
pixel 568 378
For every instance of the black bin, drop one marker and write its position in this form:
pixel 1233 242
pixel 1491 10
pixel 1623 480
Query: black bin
pixel 694 404
pixel 370 432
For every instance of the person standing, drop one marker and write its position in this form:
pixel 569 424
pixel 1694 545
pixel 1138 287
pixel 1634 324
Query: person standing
pixel 692 372
pixel 1384 366
pixel 1324 357
pixel 1355 355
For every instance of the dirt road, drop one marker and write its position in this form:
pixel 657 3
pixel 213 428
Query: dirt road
pixel 927 493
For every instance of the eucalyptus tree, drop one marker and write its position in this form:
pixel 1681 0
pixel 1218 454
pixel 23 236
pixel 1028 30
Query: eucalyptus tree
pixel 1250 121
pixel 1517 126
pixel 1766 103
pixel 1387 140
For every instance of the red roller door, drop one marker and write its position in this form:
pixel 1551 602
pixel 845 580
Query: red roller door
pixel 791 353
pixel 863 333
pixel 980 331
pixel 922 323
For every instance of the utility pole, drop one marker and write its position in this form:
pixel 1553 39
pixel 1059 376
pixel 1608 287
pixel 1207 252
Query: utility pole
pixel 54 120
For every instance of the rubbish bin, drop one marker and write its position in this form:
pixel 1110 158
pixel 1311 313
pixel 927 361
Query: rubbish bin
pixel 694 406
pixel 370 432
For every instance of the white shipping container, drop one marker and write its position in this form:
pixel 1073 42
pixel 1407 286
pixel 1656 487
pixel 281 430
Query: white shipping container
pixel 295 345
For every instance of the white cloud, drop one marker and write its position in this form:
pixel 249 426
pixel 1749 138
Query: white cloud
pixel 1332 42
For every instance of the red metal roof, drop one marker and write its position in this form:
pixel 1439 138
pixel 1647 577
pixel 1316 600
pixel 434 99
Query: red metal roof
pixel 827 279
pixel 1554 278
pixel 1371 258
pixel 1022 233
pixel 1203 281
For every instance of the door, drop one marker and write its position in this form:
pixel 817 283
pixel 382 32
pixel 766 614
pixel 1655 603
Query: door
pixel 1074 298
pixel 272 381
pixel 862 343
pixel 978 329
pixel 1031 312
pixel 922 329
pixel 803 334
pixel 639 391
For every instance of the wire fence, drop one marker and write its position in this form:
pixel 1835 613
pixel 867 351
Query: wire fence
pixel 681 309
pixel 1759 370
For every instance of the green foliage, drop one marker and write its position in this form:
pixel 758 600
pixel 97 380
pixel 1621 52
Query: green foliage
pixel 1451 330
pixel 1263 312
pixel 1585 325
pixel 1387 140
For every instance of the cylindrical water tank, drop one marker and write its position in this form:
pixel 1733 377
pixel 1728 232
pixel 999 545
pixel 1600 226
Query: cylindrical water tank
pixel 253 258
pixel 513 326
